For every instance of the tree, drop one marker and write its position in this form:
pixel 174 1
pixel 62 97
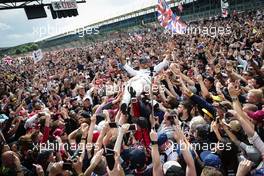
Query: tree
pixel 18 51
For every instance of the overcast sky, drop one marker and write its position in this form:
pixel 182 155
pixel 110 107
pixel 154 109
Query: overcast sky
pixel 16 29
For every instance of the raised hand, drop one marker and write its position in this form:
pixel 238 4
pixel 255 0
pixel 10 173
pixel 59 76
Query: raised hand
pixel 233 91
pixel 244 167
pixel 118 51
pixel 77 165
pixel 199 78
pixel 153 135
pixel 215 126
pixel 178 134
pixel 93 119
pixel 120 55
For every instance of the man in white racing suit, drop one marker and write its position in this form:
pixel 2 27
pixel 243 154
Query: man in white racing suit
pixel 141 79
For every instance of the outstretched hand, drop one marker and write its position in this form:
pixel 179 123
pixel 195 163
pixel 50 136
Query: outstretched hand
pixel 233 91
pixel 120 55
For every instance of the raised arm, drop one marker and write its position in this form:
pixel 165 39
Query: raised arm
pixel 205 92
pixel 121 57
pixel 231 135
pixel 171 89
pixel 91 128
pixel 99 141
pixel 161 65
pixel 177 72
pixel 241 115
pixel 157 169
pixel 190 168
pixel 243 119
pixel 130 70
pixel 121 132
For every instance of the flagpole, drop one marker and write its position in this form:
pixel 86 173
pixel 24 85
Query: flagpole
pixel 151 91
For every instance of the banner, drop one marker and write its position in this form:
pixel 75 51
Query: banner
pixel 37 55
pixel 224 8
pixel 64 5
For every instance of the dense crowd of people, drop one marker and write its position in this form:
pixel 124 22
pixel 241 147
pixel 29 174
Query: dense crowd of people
pixel 144 104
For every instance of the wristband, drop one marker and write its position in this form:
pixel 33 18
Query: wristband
pixel 154 142
pixel 234 99
pixel 84 139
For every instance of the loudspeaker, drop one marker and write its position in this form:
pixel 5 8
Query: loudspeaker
pixel 35 11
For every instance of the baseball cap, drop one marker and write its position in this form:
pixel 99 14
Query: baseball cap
pixel 143 60
pixel 258 115
pixel 172 168
pixel 260 172
pixel 86 114
pixel 73 99
pixel 210 159
pixel 251 152
pixel 200 46
pixel 162 138
pixel 137 158
pixel 86 98
pixel 3 118
pixel 210 78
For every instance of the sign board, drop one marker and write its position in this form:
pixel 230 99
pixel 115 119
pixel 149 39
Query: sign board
pixel 64 5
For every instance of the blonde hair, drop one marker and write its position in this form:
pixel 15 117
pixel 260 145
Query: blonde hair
pixel 197 120
pixel 257 92
pixel 211 171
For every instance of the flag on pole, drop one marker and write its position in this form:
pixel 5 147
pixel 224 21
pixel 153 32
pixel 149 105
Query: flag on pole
pixel 169 20
pixel 164 14
pixel 180 7
pixel 8 60
pixel 37 55
pixel 224 8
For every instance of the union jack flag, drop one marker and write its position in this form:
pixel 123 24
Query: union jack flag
pixel 8 60
pixel 165 14
pixel 168 19
pixel 179 26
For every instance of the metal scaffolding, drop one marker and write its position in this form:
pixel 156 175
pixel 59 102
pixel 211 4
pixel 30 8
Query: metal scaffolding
pixel 16 4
